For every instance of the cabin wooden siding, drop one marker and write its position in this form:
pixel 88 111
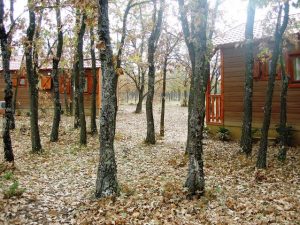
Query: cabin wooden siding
pixel 234 75
pixel 45 96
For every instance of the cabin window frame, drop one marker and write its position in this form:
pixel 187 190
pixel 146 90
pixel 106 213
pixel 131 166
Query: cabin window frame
pixel 261 69
pixel 292 82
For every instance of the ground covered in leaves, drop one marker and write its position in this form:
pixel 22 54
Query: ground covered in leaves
pixel 57 186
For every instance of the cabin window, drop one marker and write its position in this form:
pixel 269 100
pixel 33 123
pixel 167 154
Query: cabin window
pixel 262 68
pixel 294 70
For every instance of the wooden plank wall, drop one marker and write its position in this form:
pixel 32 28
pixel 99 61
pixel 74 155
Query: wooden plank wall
pixel 234 70
pixel 45 96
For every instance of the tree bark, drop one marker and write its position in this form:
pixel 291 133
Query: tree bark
pixel 55 76
pixel 8 116
pixel 197 45
pixel 75 80
pixel 283 112
pixel 141 89
pixel 94 71
pixel 152 45
pixel 280 29
pixel 163 100
pixel 246 138
pixel 107 184
pixel 33 81
pixel 80 92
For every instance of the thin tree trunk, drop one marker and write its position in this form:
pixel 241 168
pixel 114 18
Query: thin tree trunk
pixel 94 71
pixel 83 138
pixel 67 108
pixel 163 100
pixel 107 184
pixel 246 138
pixel 8 117
pixel 280 29
pixel 283 112
pixel 152 45
pixel 75 75
pixel 33 81
pixel 55 76
pixel 139 105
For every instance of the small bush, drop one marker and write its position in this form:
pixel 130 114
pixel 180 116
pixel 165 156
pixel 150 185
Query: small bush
pixel 287 132
pixel 223 134
pixel 14 190
pixel 8 175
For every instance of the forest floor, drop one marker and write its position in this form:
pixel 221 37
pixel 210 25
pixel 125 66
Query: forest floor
pixel 57 186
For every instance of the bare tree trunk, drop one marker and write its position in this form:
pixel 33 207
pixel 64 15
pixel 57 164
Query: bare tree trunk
pixel 83 138
pixel 107 184
pixel 93 108
pixel 67 107
pixel 283 113
pixel 8 116
pixel 196 41
pixel 33 81
pixel 152 45
pixel 280 29
pixel 246 138
pixel 75 82
pixel 163 100
pixel 139 105
pixel 55 76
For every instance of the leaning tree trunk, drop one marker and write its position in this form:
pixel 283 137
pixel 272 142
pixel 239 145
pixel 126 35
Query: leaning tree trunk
pixel 5 52
pixel 246 138
pixel 107 184
pixel 94 71
pixel 280 29
pixel 163 99
pixel 283 112
pixel 81 82
pixel 33 81
pixel 152 45
pixel 55 76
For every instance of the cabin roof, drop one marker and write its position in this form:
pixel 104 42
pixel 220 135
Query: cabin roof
pixel 16 64
pixel 261 30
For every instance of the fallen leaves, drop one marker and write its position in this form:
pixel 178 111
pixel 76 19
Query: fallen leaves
pixel 60 183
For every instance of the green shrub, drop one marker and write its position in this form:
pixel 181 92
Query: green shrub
pixel 223 134
pixel 13 190
pixel 8 175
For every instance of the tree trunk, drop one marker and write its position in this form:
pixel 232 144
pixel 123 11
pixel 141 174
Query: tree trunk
pixel 283 113
pixel 75 75
pixel 152 45
pixel 83 139
pixel 198 55
pixel 107 184
pixel 55 76
pixel 163 100
pixel 280 29
pixel 8 116
pixel 93 107
pixel 67 107
pixel 246 138
pixel 33 81
pixel 139 105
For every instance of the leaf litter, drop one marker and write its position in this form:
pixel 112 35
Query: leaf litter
pixel 58 185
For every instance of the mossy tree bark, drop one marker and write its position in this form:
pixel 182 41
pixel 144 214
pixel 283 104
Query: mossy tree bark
pixel 196 41
pixel 246 138
pixel 152 45
pixel 107 184
pixel 55 76
pixel 279 31
pixel 8 116
pixel 33 81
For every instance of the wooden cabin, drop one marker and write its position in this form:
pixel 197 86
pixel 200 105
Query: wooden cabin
pixel 19 81
pixel 224 105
